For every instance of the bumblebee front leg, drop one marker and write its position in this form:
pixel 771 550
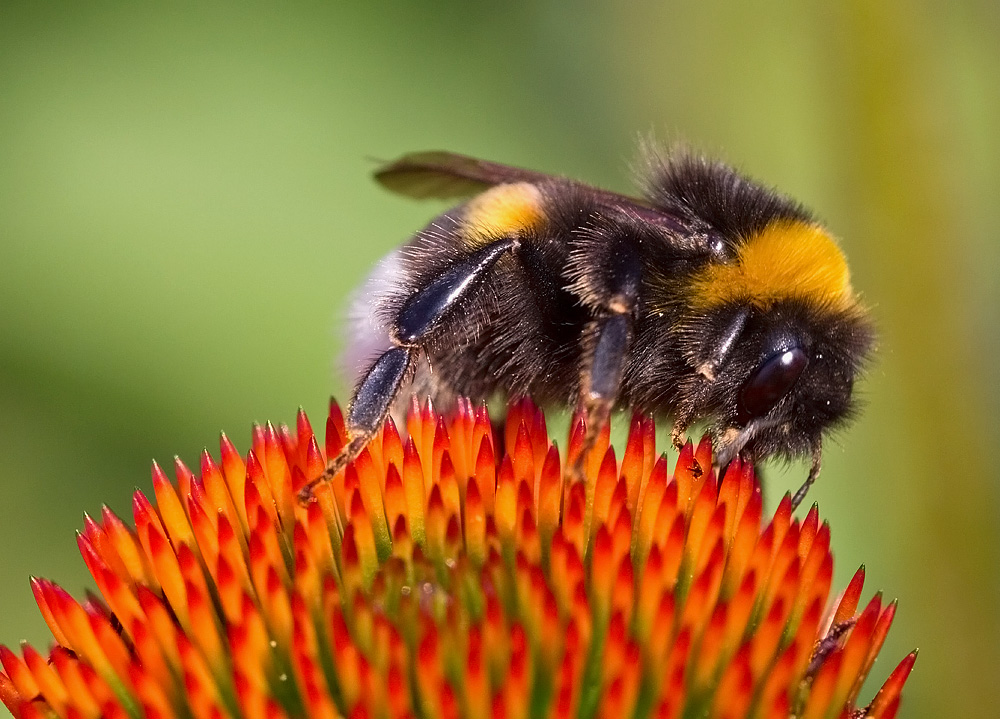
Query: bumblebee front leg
pixel 418 321
pixel 817 456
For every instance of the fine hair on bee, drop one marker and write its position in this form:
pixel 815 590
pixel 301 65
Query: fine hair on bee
pixel 710 298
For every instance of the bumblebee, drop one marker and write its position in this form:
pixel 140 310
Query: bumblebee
pixel 712 298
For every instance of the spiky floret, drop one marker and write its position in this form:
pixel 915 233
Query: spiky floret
pixel 455 573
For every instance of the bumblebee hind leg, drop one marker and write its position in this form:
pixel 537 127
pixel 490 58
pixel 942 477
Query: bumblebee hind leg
pixel 417 323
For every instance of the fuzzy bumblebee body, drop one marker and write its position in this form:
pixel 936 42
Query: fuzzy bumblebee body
pixel 711 299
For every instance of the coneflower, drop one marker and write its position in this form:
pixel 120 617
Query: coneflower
pixel 454 573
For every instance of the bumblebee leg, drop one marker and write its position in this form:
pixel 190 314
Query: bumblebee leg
pixel 610 338
pixel 817 452
pixel 417 322
pixel 369 407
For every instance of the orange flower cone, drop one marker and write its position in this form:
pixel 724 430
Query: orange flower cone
pixel 455 574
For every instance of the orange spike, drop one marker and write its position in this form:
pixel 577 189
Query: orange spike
pixel 848 603
pixel 808 531
pixel 161 623
pixel 621 534
pixel 803 644
pixel 78 688
pixel 40 588
pixel 879 634
pixel 650 591
pixel 129 549
pixel 886 702
pixel 475 523
pixel 740 608
pixel 774 694
pixel 573 517
pixel 185 477
pixel 216 488
pixel 673 672
pixel 370 486
pixel 459 427
pixel 735 690
pixel 120 597
pixel 263 527
pixel 76 625
pixel 257 492
pixel 686 473
pixel 486 472
pixel 203 629
pixel 303 434
pixel 818 702
pixel 602 565
pixel 148 651
pixel 604 483
pixel 392 446
pixel 704 590
pixel 101 543
pixel 171 510
pixel 623 589
pixel 415 491
pixel 632 462
pixel 336 438
pixel 617 504
pixel 744 539
pixel 108 639
pixel 649 508
pixel 234 471
pixel 673 550
pixel 450 493
pixel 18 673
pixel 505 509
pixel 364 538
pixel 855 651
pixel 199 686
pixel 766 638
pixel 437 518
pixel 574 443
pixel 549 494
pixel 314 463
pixel 150 693
pixel 167 571
pixel 395 496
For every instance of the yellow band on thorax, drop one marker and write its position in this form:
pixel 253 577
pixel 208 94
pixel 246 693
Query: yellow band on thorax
pixel 786 260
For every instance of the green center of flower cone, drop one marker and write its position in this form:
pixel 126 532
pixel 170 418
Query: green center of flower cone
pixel 455 573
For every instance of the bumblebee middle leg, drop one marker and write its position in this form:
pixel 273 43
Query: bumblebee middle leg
pixel 613 295
pixel 601 377
pixel 417 322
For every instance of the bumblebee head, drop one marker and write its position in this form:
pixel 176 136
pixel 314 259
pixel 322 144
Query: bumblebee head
pixel 788 378
pixel 775 326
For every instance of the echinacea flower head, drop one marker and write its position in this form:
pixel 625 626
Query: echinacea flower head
pixel 455 572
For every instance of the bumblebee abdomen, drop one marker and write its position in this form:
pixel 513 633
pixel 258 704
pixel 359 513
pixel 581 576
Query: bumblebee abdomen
pixel 515 209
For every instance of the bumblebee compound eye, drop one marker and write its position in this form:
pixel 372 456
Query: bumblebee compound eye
pixel 772 381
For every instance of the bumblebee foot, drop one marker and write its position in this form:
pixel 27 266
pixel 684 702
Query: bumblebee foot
pixel 813 474
pixel 678 434
pixel 334 467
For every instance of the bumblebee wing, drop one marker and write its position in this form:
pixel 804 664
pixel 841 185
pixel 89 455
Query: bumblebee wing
pixel 448 175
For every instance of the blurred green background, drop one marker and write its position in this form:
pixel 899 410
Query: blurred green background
pixel 185 204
